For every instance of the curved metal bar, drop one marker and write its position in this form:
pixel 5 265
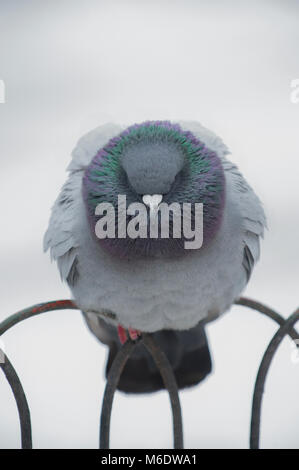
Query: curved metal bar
pixel 284 329
pixel 112 380
pixel 269 312
pixel 169 380
pixel 9 371
pixel 35 310
pixel 20 397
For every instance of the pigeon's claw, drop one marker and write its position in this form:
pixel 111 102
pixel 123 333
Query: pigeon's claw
pixel 122 334
pixel 134 334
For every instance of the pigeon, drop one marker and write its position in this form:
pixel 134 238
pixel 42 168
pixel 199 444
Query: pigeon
pixel 127 286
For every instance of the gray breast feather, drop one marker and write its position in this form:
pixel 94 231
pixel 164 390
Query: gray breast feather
pixel 60 237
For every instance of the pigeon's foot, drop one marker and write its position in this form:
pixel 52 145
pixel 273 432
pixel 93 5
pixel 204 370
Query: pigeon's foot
pixel 122 334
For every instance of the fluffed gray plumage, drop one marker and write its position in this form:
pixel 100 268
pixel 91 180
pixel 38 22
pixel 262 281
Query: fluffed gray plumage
pixel 171 296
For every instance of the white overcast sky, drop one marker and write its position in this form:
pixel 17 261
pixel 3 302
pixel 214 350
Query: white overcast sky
pixel 69 66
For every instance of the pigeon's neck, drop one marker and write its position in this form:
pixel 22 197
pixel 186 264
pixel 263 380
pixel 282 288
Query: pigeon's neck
pixel 192 174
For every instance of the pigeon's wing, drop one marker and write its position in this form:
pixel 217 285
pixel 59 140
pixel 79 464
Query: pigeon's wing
pixel 250 207
pixel 248 203
pixel 60 237
pixel 210 139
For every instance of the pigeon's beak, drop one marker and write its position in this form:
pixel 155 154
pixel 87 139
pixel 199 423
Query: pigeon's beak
pixel 152 201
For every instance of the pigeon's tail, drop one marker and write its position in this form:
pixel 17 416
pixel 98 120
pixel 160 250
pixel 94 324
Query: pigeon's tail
pixel 187 351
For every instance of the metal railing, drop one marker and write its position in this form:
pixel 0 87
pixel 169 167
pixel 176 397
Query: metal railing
pixel 286 327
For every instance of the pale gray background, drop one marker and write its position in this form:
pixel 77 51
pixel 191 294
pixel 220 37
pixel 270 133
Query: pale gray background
pixel 72 65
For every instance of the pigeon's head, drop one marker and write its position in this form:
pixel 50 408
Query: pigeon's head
pixel 151 163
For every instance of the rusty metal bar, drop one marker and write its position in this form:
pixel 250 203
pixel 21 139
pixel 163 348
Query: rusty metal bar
pixel 111 384
pixel 284 329
pixel 35 310
pixel 20 397
pixel 269 312
pixel 9 371
pixel 169 380
pixel 170 384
